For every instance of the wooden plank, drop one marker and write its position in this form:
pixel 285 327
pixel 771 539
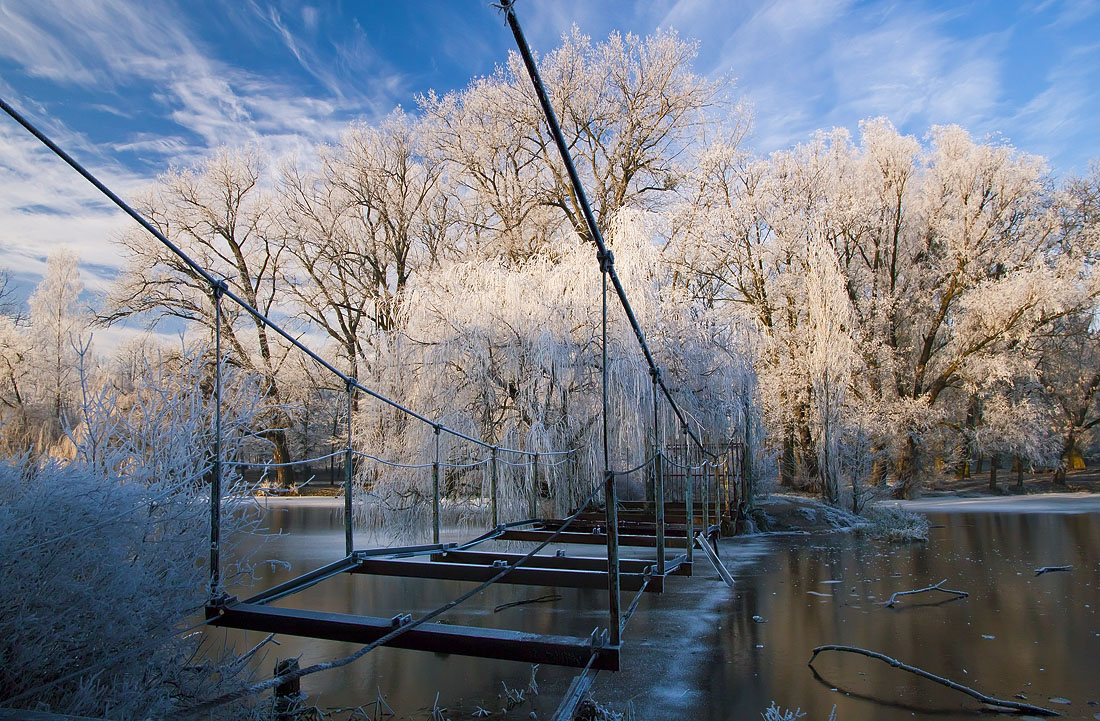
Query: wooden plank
pixel 436 637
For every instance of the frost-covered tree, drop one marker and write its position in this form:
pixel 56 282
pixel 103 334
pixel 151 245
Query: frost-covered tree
pixel 630 107
pixel 221 215
pixel 56 322
pixel 952 257
pixel 511 354
pixel 15 371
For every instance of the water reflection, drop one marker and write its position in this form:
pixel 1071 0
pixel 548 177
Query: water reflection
pixel 695 651
pixel 1016 633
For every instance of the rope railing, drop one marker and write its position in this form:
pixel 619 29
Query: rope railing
pixel 288 464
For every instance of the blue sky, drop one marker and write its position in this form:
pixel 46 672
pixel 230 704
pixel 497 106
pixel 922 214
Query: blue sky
pixel 134 86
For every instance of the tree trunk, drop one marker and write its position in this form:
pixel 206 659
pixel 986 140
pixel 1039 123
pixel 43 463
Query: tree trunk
pixel 811 468
pixel 1071 459
pixel 994 460
pixel 787 462
pixel 1018 466
pixel 908 470
pixel 280 453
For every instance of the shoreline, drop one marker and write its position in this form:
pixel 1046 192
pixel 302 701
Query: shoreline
pixel 1073 502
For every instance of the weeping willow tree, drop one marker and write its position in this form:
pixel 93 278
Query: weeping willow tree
pixel 511 353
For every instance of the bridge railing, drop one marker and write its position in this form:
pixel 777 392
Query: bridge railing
pixel 220 290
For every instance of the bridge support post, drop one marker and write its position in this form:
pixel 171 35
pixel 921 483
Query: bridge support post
pixel 658 478
pixel 216 481
pixel 349 542
pixel 614 607
pixel 534 510
pixel 688 495
pixel 706 496
pixel 435 489
pixel 287 695
pixel 494 516
pixel 717 496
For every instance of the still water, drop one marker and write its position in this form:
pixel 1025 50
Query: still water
pixel 696 652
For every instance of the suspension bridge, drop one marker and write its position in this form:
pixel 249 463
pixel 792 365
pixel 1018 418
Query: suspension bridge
pixel 696 491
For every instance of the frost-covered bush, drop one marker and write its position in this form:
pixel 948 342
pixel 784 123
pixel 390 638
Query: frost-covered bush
pixel 896 524
pixel 775 713
pixel 103 557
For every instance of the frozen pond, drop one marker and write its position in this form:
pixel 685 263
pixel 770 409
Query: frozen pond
pixel 695 651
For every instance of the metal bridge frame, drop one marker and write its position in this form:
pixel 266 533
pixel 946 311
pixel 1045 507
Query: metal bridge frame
pixel 658 524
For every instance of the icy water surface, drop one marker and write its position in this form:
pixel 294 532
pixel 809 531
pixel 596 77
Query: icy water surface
pixel 695 651
pixel 1017 633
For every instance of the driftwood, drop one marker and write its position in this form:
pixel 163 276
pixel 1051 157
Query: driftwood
pixel 540 599
pixel 995 702
pixel 1048 569
pixel 938 587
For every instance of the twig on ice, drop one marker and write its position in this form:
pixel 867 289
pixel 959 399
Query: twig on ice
pixel 541 599
pixel 937 587
pixel 995 702
pixel 1048 569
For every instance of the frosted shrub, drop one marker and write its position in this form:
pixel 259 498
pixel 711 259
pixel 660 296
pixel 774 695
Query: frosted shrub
pixel 103 558
pixel 775 713
pixel 896 524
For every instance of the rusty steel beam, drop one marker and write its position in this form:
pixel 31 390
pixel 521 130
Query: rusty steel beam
pixel 642 516
pixel 436 637
pixel 523 575
pixel 591 538
pixel 638 528
pixel 677 566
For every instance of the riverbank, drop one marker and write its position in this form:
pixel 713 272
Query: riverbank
pixel 1010 483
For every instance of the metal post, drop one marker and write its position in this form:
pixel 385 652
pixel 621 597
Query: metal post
pixel 435 490
pixel 610 500
pixel 348 540
pixel 706 497
pixel 613 601
pixel 535 488
pixel 717 497
pixel 216 481
pixel 493 516
pixel 658 480
pixel 688 496
pixel 727 506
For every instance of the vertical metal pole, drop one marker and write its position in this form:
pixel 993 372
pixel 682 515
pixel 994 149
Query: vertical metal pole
pixel 658 480
pixel 493 516
pixel 706 497
pixel 348 540
pixel 717 497
pixel 610 500
pixel 216 481
pixel 435 490
pixel 689 492
pixel 727 506
pixel 535 488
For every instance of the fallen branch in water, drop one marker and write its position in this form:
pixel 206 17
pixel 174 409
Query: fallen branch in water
pixel 996 702
pixel 540 599
pixel 938 587
pixel 1048 569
